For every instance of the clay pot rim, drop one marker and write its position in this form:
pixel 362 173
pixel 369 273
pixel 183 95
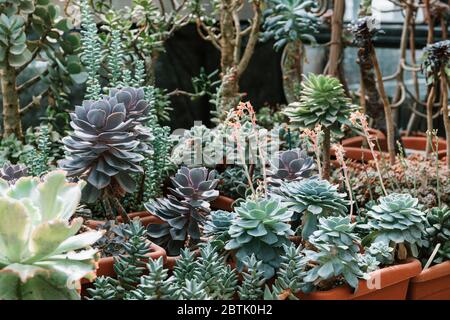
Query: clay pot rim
pixel 404 271
pixel 435 272
pixel 144 215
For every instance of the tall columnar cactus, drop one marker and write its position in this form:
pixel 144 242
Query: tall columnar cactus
pixel 43 255
pixel 31 30
pixel 323 102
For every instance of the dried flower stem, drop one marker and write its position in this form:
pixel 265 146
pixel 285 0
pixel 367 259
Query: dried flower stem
pixel 340 153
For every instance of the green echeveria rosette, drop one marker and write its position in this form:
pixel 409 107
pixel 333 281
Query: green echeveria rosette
pixel 323 101
pixel 335 255
pixel 396 220
pixel 311 199
pixel 261 228
pixel 437 232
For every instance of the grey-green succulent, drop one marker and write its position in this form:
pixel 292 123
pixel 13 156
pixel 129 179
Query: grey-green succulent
pixel 437 231
pixel 43 255
pixel 312 199
pixel 398 222
pixel 253 280
pixel 106 142
pixel 335 255
pixel 261 228
pixel 382 252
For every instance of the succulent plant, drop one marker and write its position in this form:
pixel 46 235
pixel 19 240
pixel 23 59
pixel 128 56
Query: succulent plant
pixel 42 254
pixel 261 228
pixel 234 183
pixel 289 280
pixel 199 146
pixel 182 227
pixel 195 186
pixel 105 143
pixel 253 280
pixel 397 221
pixel 335 255
pixel 364 30
pixel 437 55
pixel 218 225
pixel 12 172
pixel 367 262
pixel 311 199
pixel 288 21
pixel 437 231
pixel 443 253
pixel 291 165
pixel 381 252
pixel 323 101
pixel 184 215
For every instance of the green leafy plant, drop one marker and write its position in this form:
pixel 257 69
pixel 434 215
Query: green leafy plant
pixel 323 102
pixel 312 199
pixel 43 255
pixel 291 24
pixel 261 228
pixel 32 31
pixel 37 159
pixel 217 227
pixel 382 252
pixel 335 255
pixel 234 183
pixel 398 222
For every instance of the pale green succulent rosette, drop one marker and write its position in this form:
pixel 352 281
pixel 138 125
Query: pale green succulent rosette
pixel 42 256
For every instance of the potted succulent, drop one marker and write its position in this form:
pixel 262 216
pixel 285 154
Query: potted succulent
pixel 434 281
pixel 44 256
pixel 184 211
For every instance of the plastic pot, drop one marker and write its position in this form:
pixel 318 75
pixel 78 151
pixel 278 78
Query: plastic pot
pixel 389 283
pixel 431 284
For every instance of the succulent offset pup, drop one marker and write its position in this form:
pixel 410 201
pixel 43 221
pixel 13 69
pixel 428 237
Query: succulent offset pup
pixel 12 172
pixel 42 255
pixel 291 165
pixel 105 144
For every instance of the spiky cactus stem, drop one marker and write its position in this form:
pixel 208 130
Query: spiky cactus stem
pixel 11 107
pixel 444 93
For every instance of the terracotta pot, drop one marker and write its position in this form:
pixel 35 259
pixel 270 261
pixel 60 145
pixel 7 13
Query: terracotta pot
pixel 105 266
pixel 145 217
pixel 431 284
pixel 357 142
pixel 223 203
pixel 414 144
pixel 393 285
